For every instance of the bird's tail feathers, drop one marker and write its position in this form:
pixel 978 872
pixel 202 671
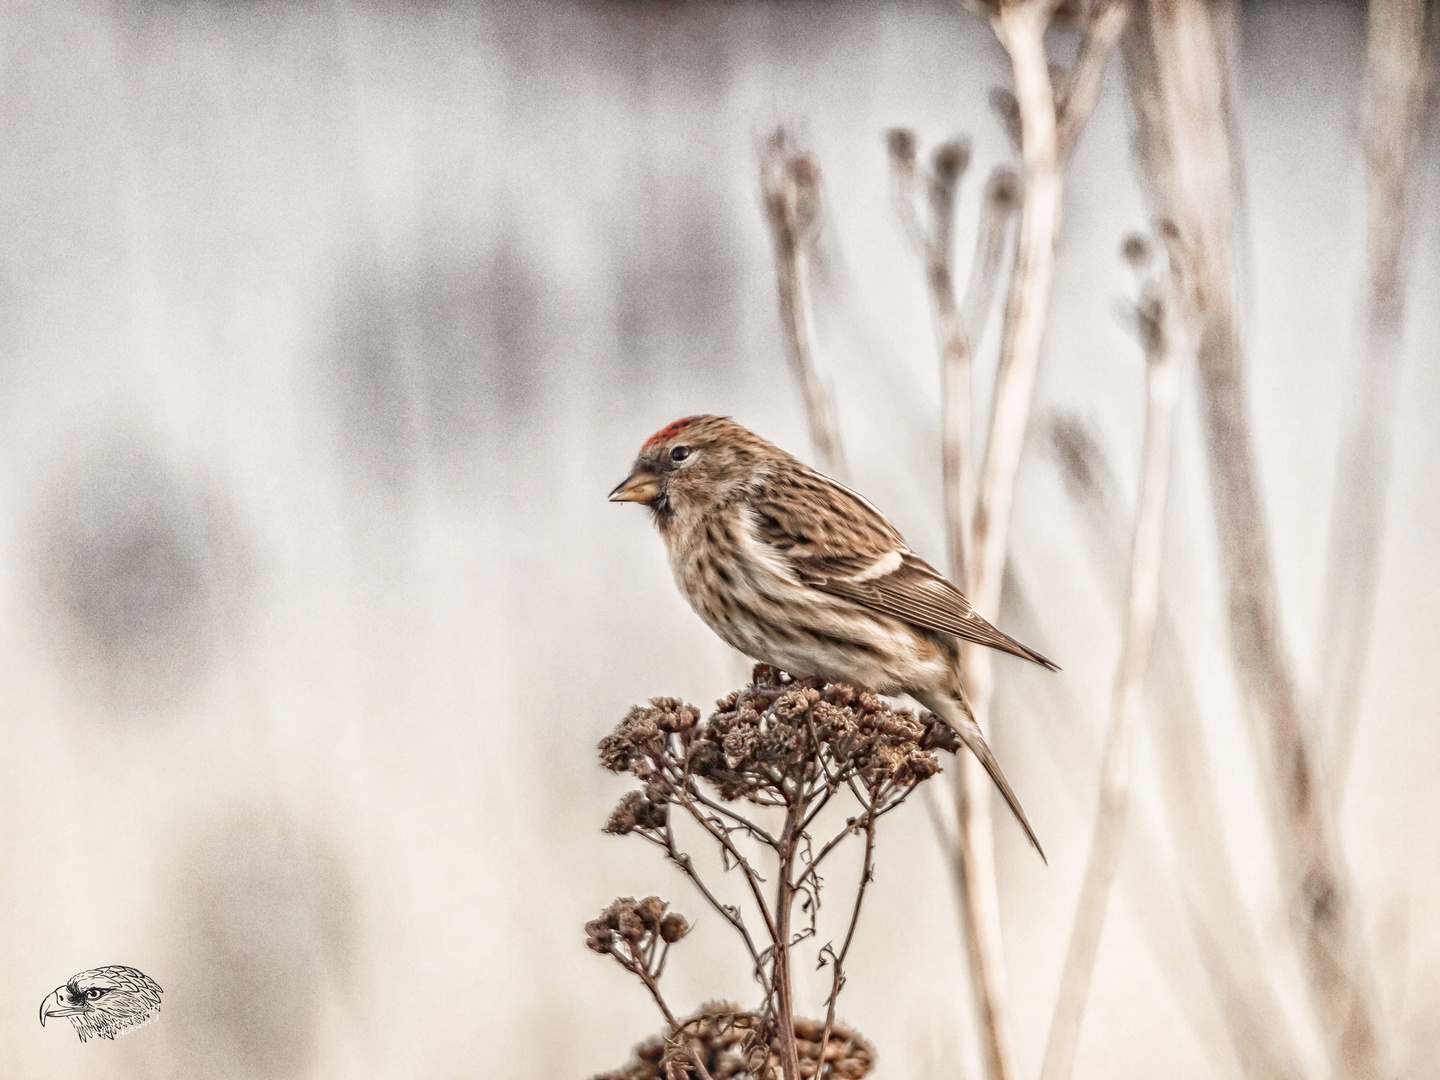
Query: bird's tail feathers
pixel 986 634
pixel 954 709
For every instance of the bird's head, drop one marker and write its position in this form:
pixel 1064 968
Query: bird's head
pixel 104 1001
pixel 694 465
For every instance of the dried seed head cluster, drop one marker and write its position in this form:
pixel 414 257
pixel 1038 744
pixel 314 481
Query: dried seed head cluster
pixel 780 742
pixel 764 742
pixel 633 928
pixel 727 1041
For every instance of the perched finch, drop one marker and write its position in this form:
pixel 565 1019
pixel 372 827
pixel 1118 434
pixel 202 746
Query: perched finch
pixel 799 572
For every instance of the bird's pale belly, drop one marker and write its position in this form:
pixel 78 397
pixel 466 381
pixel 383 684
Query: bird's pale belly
pixel 786 627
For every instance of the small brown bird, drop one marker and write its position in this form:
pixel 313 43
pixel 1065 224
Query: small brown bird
pixel 799 572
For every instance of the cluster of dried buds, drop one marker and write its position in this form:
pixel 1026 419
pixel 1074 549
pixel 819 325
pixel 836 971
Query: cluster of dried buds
pixel 793 744
pixel 729 1046
pixel 774 741
pixel 630 927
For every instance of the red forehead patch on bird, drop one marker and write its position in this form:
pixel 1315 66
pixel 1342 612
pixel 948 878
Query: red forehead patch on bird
pixel 665 434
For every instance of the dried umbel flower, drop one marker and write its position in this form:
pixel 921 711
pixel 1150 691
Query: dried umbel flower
pixel 951 159
pixel 779 742
pixel 765 739
pixel 629 930
pixel 673 927
pixel 733 1046
pixel 637 810
pixel 901 143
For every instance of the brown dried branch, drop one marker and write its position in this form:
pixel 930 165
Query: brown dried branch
pixel 731 1046
pixel 778 742
pixel 638 936
pixel 1397 74
pixel 790 187
pixel 1179 80
pixel 837 981
pixel 1165 347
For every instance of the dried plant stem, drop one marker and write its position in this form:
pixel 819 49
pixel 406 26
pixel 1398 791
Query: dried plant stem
pixel 1397 75
pixel 1104 22
pixel 790 185
pixel 996 213
pixel 1164 355
pixel 1020 27
pixel 955 413
pixel 867 872
pixel 652 984
pixel 784 903
pixel 1021 30
pixel 1180 86
pixel 1249 1007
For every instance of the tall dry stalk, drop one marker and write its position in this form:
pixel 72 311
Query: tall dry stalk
pixel 1178 72
pixel 790 187
pixel 1397 75
pixel 958 324
pixel 1166 346
pixel 1212 905
pixel 1048 129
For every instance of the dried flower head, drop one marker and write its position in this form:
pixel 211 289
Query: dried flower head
pixel 636 810
pixel 1004 190
pixel 901 143
pixel 782 742
pixel 673 927
pixel 1136 250
pixel 763 740
pixel 951 159
pixel 734 1045
pixel 629 930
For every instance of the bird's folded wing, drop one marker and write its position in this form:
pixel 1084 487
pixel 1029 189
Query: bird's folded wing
pixel 851 551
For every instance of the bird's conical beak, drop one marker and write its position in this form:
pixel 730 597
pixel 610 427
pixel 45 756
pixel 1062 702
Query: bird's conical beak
pixel 640 486
pixel 57 1004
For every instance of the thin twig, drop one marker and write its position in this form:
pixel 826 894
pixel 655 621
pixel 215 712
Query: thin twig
pixel 1104 22
pixel 729 914
pixel 1165 348
pixel 752 879
pixel 1020 27
pixel 790 185
pixel 1396 74
pixel 837 979
pixel 997 210
pixel 1180 85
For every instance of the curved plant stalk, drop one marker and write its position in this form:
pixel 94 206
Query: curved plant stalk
pixel 1214 908
pixel 1020 27
pixel 790 186
pixel 1397 74
pixel 1165 349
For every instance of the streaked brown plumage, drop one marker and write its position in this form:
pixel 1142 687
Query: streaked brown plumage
pixel 798 571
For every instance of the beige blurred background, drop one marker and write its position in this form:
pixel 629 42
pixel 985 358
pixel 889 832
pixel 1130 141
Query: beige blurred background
pixel 325 327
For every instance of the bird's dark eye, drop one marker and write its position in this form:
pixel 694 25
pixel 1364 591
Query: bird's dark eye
pixel 680 453
pixel 94 994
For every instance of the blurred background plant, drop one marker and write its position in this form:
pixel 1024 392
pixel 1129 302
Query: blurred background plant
pixel 328 323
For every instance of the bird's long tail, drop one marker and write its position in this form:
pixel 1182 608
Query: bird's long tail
pixel 954 709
